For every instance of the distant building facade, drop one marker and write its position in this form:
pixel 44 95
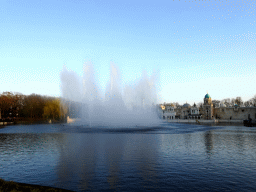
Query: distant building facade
pixel 208 111
pixel 235 113
pixel 168 111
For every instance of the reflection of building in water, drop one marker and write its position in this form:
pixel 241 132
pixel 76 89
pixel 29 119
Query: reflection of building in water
pixel 208 139
pixel 208 110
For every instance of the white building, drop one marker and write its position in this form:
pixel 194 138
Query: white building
pixel 168 111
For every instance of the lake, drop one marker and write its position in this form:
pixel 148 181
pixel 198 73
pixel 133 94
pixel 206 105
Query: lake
pixel 169 157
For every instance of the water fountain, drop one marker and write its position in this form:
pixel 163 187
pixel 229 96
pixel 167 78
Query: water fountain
pixel 122 106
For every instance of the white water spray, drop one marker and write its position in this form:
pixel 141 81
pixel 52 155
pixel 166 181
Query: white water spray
pixel 132 106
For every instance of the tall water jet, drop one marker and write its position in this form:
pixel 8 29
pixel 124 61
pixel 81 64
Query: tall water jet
pixel 70 85
pixel 131 107
pixel 90 98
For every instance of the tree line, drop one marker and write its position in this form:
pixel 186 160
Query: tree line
pixel 227 102
pixel 16 106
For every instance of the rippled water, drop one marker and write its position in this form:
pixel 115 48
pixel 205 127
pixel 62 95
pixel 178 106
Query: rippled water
pixel 171 157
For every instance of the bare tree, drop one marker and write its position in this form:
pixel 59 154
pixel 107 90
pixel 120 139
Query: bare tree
pixel 239 101
pixel 233 101
pixel 215 103
pixel 227 101
pixel 247 103
pixel 176 104
pixel 253 100
pixel 200 104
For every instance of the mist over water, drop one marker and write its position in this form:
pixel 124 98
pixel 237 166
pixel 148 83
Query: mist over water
pixel 129 105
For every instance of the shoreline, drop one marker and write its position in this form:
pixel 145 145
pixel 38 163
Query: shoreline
pixel 203 121
pixel 207 122
pixel 30 121
pixel 4 125
pixel 16 186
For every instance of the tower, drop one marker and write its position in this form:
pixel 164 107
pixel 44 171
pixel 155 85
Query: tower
pixel 207 107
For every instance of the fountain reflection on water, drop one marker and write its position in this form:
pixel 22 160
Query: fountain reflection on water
pixel 129 106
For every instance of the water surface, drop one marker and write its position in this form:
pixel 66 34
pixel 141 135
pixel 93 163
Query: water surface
pixel 177 157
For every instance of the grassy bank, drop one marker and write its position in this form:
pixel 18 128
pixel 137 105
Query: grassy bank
pixel 10 186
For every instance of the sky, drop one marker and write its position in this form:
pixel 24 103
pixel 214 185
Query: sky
pixel 197 46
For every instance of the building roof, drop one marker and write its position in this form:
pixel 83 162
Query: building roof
pixel 207 96
pixel 186 105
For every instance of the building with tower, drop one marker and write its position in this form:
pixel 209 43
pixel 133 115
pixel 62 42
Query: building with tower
pixel 209 110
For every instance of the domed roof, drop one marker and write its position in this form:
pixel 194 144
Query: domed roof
pixel 207 96
pixel 186 105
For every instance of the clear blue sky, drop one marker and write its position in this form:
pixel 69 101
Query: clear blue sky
pixel 198 46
